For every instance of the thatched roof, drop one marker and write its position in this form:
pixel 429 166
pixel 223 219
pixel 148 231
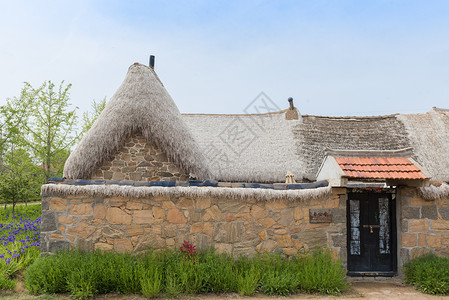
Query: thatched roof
pixel 299 146
pixel 251 148
pixel 140 105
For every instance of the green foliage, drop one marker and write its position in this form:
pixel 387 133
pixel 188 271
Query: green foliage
pixel 50 125
pixel 168 273
pixel 6 283
pixel 429 273
pixel 317 272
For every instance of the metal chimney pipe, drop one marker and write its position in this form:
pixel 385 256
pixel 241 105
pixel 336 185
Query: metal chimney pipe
pixel 152 61
pixel 290 100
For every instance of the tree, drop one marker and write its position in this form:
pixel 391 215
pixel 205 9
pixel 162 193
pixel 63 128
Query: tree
pixel 19 177
pixel 50 125
pixel 90 117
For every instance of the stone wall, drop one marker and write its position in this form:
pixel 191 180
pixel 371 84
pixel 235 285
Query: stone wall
pixel 229 225
pixel 424 225
pixel 139 160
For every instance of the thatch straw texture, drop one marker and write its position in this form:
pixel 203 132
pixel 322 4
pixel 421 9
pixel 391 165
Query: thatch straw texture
pixel 140 105
pixel 432 192
pixel 248 148
pixel 429 137
pixel 145 192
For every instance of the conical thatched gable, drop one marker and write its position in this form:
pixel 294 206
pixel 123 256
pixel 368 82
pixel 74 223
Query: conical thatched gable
pixel 140 105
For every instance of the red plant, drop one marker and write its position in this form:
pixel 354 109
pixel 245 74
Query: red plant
pixel 189 251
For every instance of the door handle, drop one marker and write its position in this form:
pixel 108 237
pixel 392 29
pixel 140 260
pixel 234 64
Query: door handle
pixel 371 227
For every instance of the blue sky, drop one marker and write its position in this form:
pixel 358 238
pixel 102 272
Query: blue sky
pixel 333 57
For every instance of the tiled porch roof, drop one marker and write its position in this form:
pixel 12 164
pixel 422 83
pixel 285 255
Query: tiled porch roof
pixel 379 168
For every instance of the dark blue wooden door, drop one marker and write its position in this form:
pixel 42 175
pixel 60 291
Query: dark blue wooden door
pixel 371 234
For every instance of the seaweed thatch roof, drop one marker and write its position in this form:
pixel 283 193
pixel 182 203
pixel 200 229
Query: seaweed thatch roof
pixel 253 147
pixel 140 105
pixel 299 146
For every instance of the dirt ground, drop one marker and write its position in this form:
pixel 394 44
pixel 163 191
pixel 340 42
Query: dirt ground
pixel 363 290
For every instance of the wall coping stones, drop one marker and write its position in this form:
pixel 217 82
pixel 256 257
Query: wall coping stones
pixel 195 183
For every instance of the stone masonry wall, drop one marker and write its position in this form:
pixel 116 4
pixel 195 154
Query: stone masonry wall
pixel 229 225
pixel 424 225
pixel 139 160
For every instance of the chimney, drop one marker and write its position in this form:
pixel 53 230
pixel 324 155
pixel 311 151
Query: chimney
pixel 290 100
pixel 152 62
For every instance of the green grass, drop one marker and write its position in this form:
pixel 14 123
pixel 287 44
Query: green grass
pixel 171 274
pixel 429 273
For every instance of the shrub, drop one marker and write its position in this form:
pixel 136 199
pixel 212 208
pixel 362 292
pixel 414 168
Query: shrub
pixel 173 273
pixel 429 273
pixel 317 272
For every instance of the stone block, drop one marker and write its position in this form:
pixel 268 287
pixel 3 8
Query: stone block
pixel 434 241
pixel 409 240
pixel 338 240
pixel 134 205
pixel 185 203
pixel 195 216
pixel 290 251
pixel 297 244
pixel 410 212
pixel 440 225
pixel 134 230
pixel 418 225
pixel 280 232
pixel 250 251
pixel 444 212
pixel 203 203
pixel 56 246
pixel 213 214
pixel 176 216
pixel 81 209
pixel 65 220
pixel 58 204
pixel 223 248
pixel 99 212
pixel 286 217
pixel 118 176
pixel 203 241
pixel 148 242
pixel 166 204
pixel 103 247
pixel 267 223
pixel 85 245
pixel 208 229
pixel 284 241
pixel 143 217
pixel 429 212
pixel 228 206
pixel 338 215
pixel 158 213
pixel 81 230
pixel 111 233
pixel 266 246
pixel 45 204
pixel 135 176
pixel 228 232
pixel 196 228
pixel 417 252
pixel 48 221
pixel 299 215
pixel 443 252
pixel 115 215
pixel 258 212
pixel 169 230
pixel 313 238
pixel 123 246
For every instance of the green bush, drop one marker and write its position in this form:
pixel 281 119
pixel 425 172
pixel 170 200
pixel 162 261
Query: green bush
pixel 317 272
pixel 170 273
pixel 429 273
pixel 6 283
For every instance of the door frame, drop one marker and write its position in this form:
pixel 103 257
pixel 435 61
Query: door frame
pixel 394 231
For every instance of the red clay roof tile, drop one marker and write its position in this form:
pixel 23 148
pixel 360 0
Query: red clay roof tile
pixel 379 168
